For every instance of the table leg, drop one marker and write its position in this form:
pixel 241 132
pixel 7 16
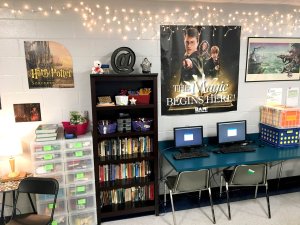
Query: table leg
pixel 2 207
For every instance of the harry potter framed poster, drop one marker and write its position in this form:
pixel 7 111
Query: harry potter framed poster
pixel 199 69
pixel 273 59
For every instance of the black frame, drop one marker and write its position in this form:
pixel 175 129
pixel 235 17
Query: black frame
pixel 189 127
pixel 229 122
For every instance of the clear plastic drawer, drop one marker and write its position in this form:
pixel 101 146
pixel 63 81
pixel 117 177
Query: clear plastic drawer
pixel 60 195
pixel 81 189
pixel 79 164
pixel 78 143
pixel 45 207
pixel 78 153
pixel 48 167
pixel 60 220
pixel 81 202
pixel 60 177
pixel 80 176
pixel 44 157
pixel 46 147
pixel 83 217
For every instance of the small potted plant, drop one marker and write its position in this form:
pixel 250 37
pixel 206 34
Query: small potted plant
pixel 78 123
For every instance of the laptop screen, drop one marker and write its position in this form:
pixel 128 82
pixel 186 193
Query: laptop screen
pixel 186 137
pixel 231 132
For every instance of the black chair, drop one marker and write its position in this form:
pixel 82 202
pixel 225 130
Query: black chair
pixel 35 185
pixel 246 175
pixel 189 181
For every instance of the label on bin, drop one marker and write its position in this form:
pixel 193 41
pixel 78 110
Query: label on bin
pixel 47 148
pixel 78 145
pixel 48 157
pixel 289 131
pixel 48 167
pixel 54 222
pixel 79 153
pixel 51 205
pixel 80 189
pixel 81 201
pixel 79 175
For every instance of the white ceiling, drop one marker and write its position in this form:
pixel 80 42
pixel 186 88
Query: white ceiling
pixel 273 2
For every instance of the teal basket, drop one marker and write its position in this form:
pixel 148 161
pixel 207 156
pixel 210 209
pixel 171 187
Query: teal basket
pixel 279 137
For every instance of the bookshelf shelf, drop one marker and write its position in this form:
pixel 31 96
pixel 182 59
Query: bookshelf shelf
pixel 126 163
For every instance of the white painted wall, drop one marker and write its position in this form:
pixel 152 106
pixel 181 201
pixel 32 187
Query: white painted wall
pixel 86 46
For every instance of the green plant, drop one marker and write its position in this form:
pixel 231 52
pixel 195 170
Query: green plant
pixel 77 118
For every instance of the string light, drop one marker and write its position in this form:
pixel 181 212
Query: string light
pixel 141 20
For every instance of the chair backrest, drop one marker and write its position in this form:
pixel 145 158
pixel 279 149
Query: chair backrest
pixel 38 185
pixel 249 175
pixel 189 181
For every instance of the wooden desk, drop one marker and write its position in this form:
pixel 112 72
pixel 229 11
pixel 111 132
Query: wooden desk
pixel 261 155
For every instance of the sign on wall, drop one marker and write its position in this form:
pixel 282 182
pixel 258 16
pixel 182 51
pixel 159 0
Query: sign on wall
pixel 49 65
pixel 199 69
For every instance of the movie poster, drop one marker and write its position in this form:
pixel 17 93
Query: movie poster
pixel 199 69
pixel 49 65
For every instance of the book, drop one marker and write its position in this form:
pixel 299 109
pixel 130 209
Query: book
pixel 46 135
pixel 45 139
pixel 46 128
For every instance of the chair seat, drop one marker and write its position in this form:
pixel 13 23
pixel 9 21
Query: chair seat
pixel 30 219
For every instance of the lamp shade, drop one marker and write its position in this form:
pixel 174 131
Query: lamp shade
pixel 10 146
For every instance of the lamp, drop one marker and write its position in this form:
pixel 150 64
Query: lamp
pixel 10 147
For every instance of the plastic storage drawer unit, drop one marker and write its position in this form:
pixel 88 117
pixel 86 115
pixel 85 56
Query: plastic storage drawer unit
pixel 79 164
pixel 82 143
pixel 50 146
pixel 48 167
pixel 44 157
pixel 279 137
pixel 78 153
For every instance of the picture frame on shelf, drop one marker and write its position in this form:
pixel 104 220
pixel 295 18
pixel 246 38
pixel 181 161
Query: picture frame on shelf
pixel 272 59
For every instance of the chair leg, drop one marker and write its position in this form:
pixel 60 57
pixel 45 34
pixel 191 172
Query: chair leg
pixel 165 195
pixel 228 203
pixel 221 185
pixel 199 195
pixel 268 201
pixel 212 206
pixel 256 188
pixel 172 204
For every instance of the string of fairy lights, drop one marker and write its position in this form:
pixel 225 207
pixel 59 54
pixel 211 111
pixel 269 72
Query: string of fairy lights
pixel 125 20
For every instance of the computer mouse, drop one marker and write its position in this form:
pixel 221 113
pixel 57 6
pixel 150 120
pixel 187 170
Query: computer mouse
pixel 216 151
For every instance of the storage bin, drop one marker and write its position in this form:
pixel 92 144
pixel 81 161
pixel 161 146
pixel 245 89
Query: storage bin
pixel 78 129
pixel 142 124
pixel 107 126
pixel 48 167
pixel 78 164
pixel 45 207
pixel 83 217
pixel 140 99
pixel 279 137
pixel 280 116
pixel 79 153
pixel 81 202
pixel 80 176
pixel 81 189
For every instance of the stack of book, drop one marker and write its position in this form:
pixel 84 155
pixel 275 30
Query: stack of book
pixel 46 132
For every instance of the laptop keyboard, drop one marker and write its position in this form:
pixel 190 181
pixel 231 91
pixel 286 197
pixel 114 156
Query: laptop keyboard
pixel 189 155
pixel 234 149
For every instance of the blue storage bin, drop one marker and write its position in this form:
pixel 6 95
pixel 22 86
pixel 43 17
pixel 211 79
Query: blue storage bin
pixel 279 137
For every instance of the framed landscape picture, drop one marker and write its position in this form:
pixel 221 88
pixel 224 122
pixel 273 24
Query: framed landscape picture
pixel 273 59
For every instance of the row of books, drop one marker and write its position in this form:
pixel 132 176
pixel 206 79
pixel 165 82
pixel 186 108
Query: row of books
pixel 133 194
pixel 46 132
pixel 111 172
pixel 124 146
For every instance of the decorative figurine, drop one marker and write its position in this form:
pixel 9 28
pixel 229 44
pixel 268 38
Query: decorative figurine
pixel 132 101
pixel 97 68
pixel 146 66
